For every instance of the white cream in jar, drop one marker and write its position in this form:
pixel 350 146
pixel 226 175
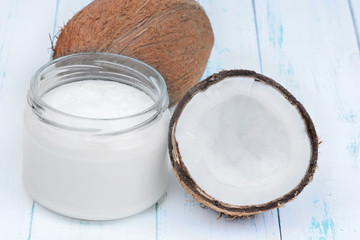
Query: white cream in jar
pixel 95 136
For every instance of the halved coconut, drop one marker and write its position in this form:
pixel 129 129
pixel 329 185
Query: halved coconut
pixel 241 144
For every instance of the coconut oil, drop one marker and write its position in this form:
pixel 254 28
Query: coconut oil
pixel 95 136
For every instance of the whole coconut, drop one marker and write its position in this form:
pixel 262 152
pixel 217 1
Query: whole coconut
pixel 173 36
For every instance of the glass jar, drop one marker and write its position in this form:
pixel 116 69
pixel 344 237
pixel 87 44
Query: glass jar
pixel 95 168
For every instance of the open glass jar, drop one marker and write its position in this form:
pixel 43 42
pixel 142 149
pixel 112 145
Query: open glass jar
pixel 96 168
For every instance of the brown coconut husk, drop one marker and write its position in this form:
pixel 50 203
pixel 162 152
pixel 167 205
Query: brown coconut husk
pixel 173 36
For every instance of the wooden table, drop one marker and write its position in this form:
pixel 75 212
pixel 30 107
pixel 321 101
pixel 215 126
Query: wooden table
pixel 310 46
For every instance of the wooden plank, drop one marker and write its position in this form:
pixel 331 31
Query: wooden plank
pixel 24 44
pixel 178 215
pixel 235 36
pixel 310 47
pixel 47 225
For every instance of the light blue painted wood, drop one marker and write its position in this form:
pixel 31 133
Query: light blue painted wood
pixel 235 35
pixel 48 225
pixel 310 48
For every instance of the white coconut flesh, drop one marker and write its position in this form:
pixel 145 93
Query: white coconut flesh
pixel 243 142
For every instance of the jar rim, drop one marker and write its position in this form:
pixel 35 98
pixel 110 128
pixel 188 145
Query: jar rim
pixel 160 103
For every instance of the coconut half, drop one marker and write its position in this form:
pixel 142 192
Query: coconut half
pixel 241 144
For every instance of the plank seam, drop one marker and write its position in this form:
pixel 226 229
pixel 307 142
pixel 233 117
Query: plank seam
pixel 261 70
pixel 356 29
pixel 54 27
pixel 279 222
pixel 157 221
pixel 31 220
pixel 257 35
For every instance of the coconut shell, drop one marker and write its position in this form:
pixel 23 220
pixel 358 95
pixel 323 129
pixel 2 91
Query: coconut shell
pixel 187 182
pixel 173 36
